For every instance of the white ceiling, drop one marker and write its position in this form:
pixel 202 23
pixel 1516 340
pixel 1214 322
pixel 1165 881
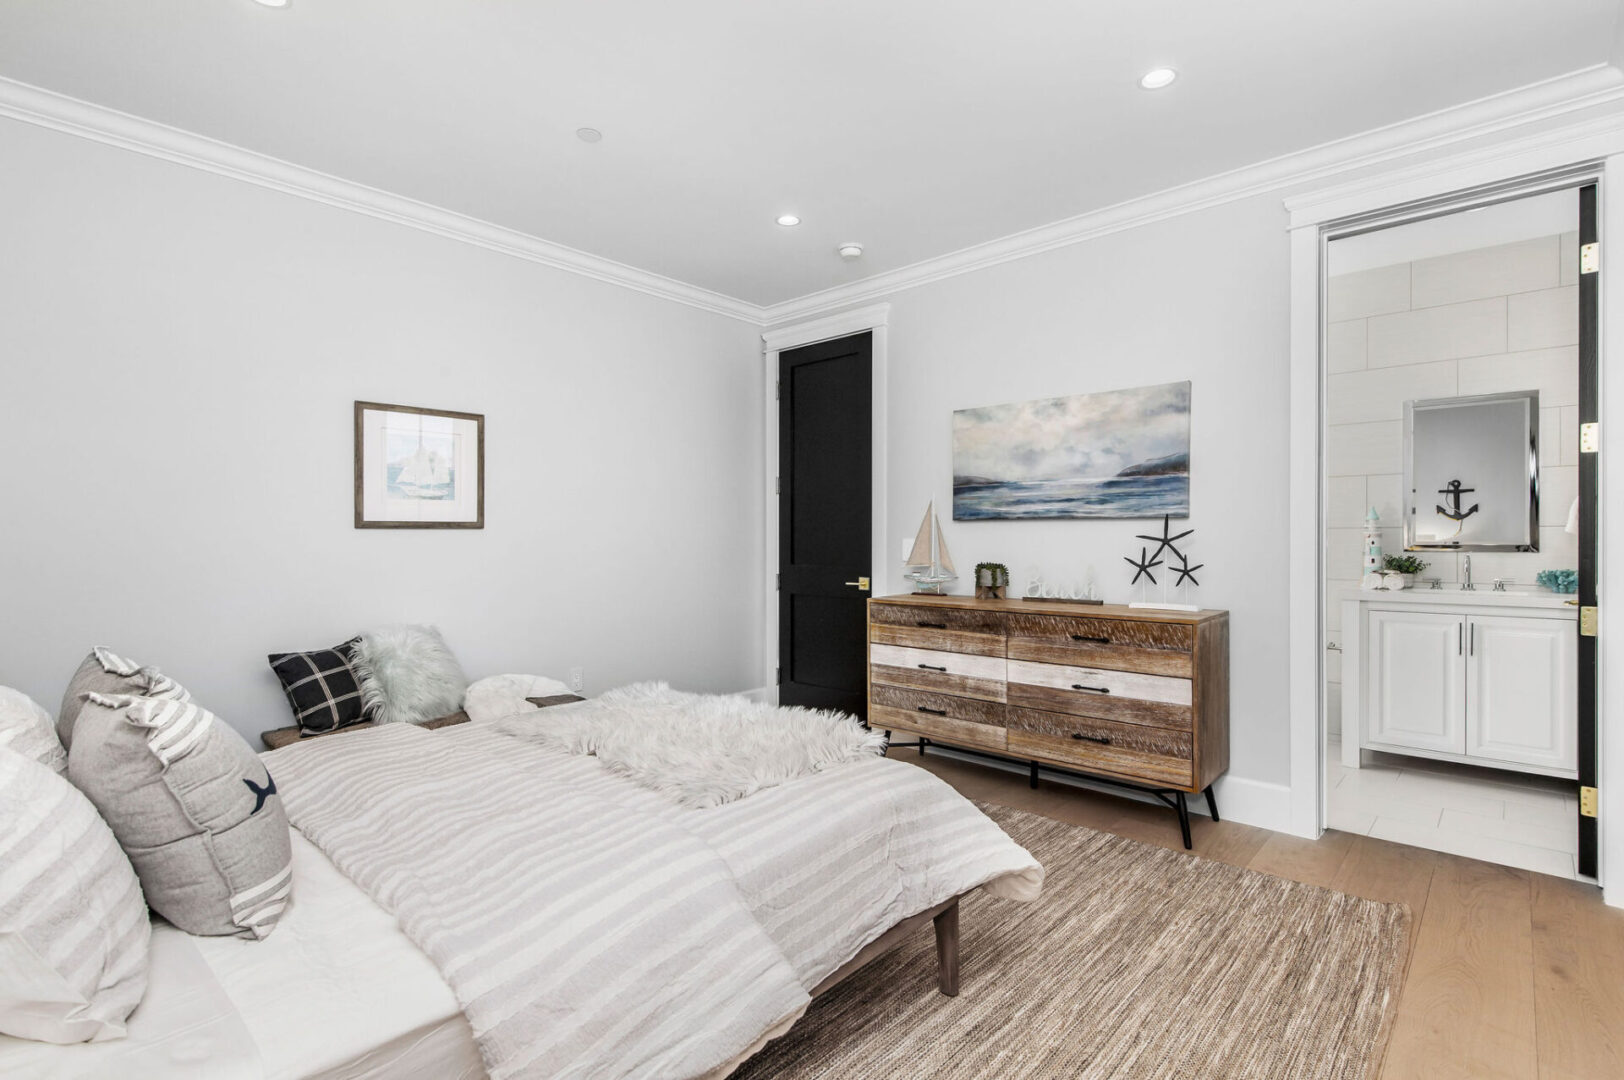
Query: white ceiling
pixel 916 127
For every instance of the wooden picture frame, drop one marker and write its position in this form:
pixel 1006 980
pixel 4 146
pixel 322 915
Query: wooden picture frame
pixel 439 484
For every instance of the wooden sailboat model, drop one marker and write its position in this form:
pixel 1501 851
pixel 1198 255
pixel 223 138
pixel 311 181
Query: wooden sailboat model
pixel 930 564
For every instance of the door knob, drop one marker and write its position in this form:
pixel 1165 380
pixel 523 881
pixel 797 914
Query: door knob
pixel 861 583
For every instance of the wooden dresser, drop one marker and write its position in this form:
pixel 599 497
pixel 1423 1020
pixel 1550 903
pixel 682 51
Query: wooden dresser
pixel 1131 696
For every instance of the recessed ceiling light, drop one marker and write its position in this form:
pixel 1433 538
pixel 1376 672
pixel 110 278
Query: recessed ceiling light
pixel 788 219
pixel 589 135
pixel 1156 78
pixel 273 3
pixel 850 250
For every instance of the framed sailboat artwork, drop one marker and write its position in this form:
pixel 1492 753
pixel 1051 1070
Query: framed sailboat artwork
pixel 418 468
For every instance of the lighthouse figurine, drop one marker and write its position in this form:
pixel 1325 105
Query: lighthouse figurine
pixel 1373 543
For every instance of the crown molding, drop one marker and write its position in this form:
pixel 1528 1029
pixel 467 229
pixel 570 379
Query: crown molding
pixel 1496 114
pixel 1501 113
pixel 794 335
pixel 58 112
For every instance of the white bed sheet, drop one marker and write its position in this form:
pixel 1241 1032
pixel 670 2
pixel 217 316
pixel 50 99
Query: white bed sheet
pixel 337 992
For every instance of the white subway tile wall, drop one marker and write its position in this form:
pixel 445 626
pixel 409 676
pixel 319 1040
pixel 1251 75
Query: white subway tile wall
pixel 1497 319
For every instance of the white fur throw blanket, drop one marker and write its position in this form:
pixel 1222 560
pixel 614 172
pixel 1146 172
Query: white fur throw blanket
pixel 698 749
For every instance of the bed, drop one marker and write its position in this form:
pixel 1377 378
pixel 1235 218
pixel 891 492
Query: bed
pixel 832 867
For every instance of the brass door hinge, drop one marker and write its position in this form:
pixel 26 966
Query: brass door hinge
pixel 1587 802
pixel 1589 438
pixel 1589 258
pixel 1587 621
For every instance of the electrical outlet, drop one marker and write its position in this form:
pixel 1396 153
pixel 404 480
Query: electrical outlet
pixel 575 679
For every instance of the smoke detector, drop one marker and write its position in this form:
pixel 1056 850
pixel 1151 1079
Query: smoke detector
pixel 850 251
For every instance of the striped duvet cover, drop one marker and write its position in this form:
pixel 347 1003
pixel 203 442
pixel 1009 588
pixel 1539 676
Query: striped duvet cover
pixel 589 928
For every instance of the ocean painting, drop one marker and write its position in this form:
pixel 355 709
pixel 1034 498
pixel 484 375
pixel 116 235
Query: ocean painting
pixel 421 464
pixel 1119 454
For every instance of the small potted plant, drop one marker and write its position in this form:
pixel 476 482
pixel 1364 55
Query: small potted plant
pixel 992 581
pixel 1405 566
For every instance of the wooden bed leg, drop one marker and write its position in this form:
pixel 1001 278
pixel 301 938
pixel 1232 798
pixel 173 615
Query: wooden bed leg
pixel 947 950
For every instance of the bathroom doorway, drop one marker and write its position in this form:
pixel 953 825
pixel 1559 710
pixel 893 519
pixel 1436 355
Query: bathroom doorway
pixel 1458 529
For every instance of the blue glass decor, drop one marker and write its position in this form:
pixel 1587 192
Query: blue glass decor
pixel 1558 581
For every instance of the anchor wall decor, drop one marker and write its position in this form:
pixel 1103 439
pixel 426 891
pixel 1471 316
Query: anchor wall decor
pixel 1452 492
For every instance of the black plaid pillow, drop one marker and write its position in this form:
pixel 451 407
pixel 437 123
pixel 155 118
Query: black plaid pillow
pixel 321 687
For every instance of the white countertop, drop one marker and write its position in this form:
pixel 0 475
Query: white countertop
pixel 1453 595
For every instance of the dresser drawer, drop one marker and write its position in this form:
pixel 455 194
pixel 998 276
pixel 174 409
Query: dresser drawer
pixel 959 674
pixel 1119 644
pixel 1109 695
pixel 943 716
pixel 945 630
pixel 1131 751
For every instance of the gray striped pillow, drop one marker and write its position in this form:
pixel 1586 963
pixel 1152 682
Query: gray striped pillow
pixel 106 672
pixel 73 924
pixel 193 807
pixel 26 727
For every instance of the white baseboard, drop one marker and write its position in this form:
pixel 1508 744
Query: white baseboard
pixel 1249 802
pixel 766 694
pixel 1255 802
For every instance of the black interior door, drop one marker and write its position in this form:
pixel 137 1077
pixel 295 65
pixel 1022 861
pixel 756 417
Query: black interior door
pixel 824 526
pixel 1589 359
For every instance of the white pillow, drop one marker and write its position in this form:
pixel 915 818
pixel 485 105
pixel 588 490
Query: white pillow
pixel 74 930
pixel 496 696
pixel 27 728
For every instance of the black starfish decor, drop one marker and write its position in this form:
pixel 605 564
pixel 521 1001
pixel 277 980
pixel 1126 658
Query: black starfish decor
pixel 1143 565
pixel 1185 570
pixel 1164 541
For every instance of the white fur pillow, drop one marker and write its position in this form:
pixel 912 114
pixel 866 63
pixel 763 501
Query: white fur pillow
pixel 496 696
pixel 27 728
pixel 407 675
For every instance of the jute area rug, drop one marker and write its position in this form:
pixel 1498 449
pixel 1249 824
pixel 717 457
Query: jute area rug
pixel 1136 961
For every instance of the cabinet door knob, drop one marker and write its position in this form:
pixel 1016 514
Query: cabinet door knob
pixel 933 712
pixel 1093 640
pixel 932 667
pixel 1091 689
pixel 1101 739
pixel 928 625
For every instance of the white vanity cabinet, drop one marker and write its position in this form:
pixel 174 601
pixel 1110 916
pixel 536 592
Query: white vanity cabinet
pixel 1417 679
pixel 1521 691
pixel 1477 680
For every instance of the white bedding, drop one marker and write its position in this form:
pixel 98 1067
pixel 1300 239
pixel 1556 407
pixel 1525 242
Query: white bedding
pixel 826 863
pixel 336 992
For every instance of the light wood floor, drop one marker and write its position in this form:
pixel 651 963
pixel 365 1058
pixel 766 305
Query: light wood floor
pixel 1512 974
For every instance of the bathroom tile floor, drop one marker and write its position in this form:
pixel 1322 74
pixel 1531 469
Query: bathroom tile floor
pixel 1502 817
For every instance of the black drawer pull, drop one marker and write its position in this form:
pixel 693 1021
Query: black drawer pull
pixel 934 625
pixel 1091 738
pixel 1094 640
pixel 932 667
pixel 933 712
pixel 1080 686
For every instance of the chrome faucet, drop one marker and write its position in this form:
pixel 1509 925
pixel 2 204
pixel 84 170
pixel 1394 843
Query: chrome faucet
pixel 1467 583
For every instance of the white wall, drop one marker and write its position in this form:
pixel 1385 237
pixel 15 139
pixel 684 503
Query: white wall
pixel 179 355
pixel 1204 297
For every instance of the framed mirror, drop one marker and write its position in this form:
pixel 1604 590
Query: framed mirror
pixel 1471 473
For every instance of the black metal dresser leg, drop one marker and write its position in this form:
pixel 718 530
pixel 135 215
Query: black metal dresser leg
pixel 1212 802
pixel 1184 819
pixel 1034 779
